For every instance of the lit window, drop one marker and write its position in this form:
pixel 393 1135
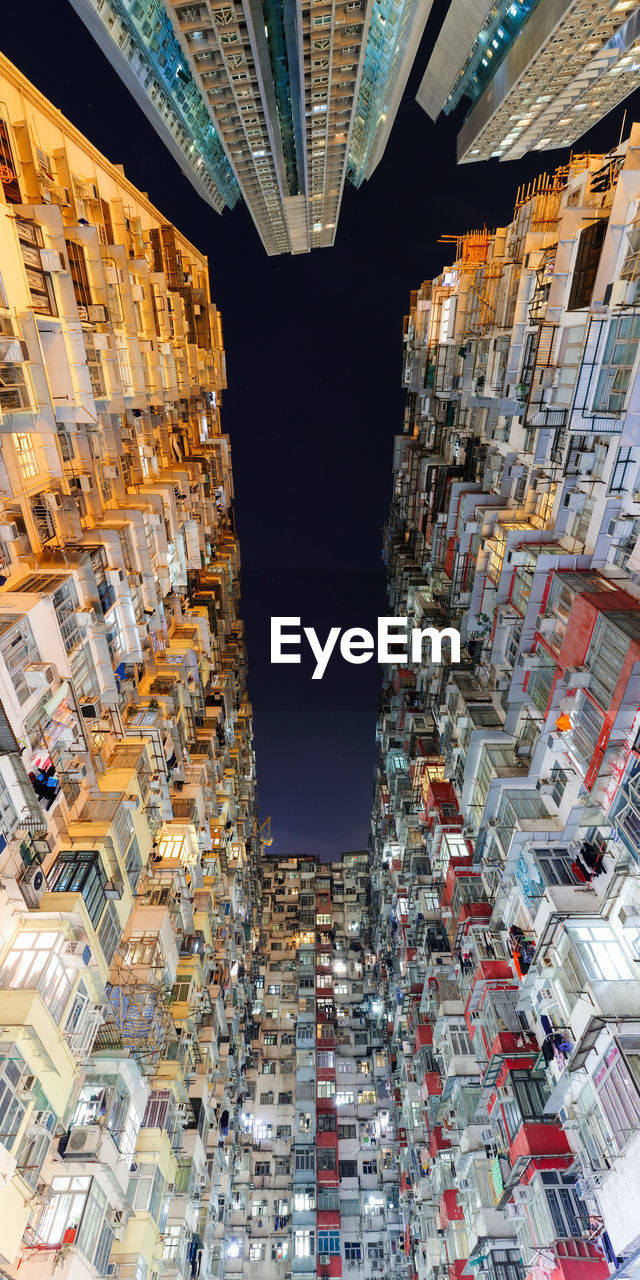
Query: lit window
pixel 26 455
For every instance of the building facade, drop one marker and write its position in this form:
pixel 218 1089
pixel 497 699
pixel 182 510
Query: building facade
pixel 536 76
pixel 505 845
pixel 129 844
pixel 276 104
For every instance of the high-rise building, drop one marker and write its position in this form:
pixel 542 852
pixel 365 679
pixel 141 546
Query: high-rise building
pixel 537 75
pixel 505 839
pixel 277 104
pixel 129 844
pixel 315 1190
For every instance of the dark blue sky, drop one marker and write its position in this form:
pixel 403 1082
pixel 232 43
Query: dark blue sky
pixel 314 356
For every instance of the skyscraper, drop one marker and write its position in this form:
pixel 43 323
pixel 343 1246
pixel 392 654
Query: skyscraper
pixel 537 75
pixel 273 103
pixel 129 847
pixel 505 849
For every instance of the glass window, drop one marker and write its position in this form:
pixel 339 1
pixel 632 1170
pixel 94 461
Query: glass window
pixel 601 955
pixel 619 358
pixel 329 1241
pixel 37 961
pixel 83 873
pixel 605 658
pixel 12 1109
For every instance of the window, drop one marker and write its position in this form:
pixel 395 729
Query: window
pixel 146 1189
pixel 273 989
pixel 619 358
pixel 64 1209
pixel 303 1243
pixel 587 724
pixel 283 1167
pixel 326 1122
pixel 268 1068
pixel 326 1089
pixel 304 1198
pixel 12 1109
pixel 263 1132
pixel 624 467
pixel 83 873
pixel 605 658
pixel 283 1132
pixel 285 1099
pixel 26 454
pixel 329 1241
pixel 601 955
pixel 109 932
pixel 305 1161
pixel 347 1131
pixel 270 1038
pixel 375 1251
pixel 257 1250
pixel 267 1099
pixel 366 1096
pixel 348 1168
pixel 369 1167
pixel 37 961
pixel 344 1098
pixel 352 1251
pixel 263 1168
pixel 279 1250
pixel 327 1157
pixel 586 265
pixel 78 268
pixel 8 171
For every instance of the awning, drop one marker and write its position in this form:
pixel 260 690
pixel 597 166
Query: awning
pixel 586 1044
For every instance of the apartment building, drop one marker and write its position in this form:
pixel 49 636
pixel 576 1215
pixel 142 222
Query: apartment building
pixel 275 105
pixel 315 1190
pixel 129 842
pixel 535 76
pixel 505 849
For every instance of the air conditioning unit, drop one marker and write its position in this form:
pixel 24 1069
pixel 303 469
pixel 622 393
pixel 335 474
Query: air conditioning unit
pixel 528 661
pixel 324 1259
pixel 517 558
pixel 13 350
pixel 83 1142
pixel 577 677
pixel 575 501
pixel 546 625
pixel 52 260
pixel 27 1088
pixel 544 786
pixel 39 676
pixel 629 917
pixel 33 885
pixel 83 313
pixel 86 617
pixel 9 532
pixel 514 1211
pixel 137 293
pixel 90 708
pixel 98 313
pixel 79 951
pixel 523 1195
pixel 116 1217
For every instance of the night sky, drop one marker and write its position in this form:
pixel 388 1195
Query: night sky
pixel 314 350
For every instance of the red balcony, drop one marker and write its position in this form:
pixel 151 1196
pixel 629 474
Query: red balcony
pixel 579 1260
pixel 449 1210
pixel 545 1144
pixel 438 1141
pixel 424 1036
